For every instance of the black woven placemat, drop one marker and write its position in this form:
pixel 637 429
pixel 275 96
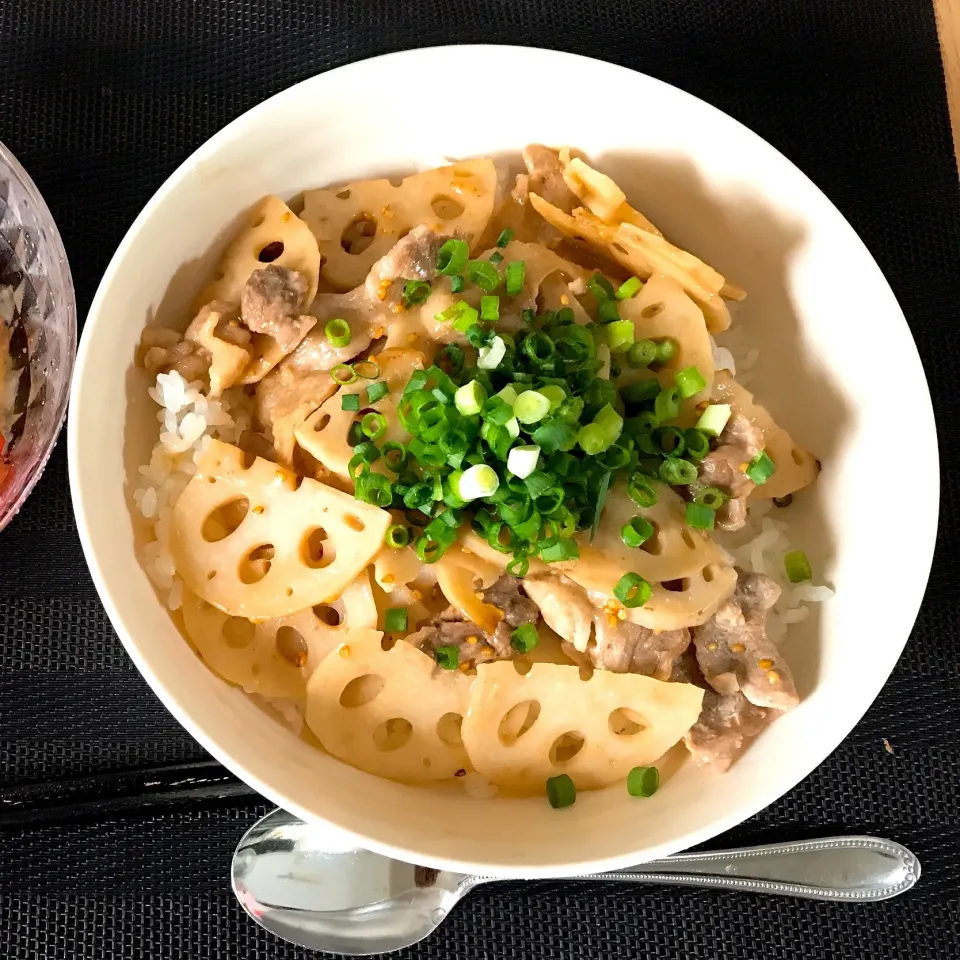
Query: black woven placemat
pixel 100 100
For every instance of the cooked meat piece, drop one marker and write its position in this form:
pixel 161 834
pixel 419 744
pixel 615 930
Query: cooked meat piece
pixel 316 353
pixel 724 467
pixel 412 258
pixel 726 722
pixel 449 628
pixel 599 638
pixel 733 650
pixel 163 350
pixel 284 399
pixel 546 177
pixel 271 303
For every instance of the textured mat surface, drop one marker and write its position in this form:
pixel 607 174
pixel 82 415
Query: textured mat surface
pixel 100 101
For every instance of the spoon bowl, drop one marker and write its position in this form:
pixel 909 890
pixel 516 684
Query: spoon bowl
pixel 315 887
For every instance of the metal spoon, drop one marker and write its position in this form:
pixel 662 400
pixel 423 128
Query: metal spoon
pixel 297 882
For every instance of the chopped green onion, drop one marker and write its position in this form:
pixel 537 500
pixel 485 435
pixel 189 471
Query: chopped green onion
pixel 602 491
pixel 368 369
pixel 355 435
pixel 508 394
pixel 490 355
pixel 377 391
pixel 632 590
pixel 608 311
pixel 698 444
pixel 457 284
pixel 677 473
pixel 429 551
pixel 505 237
pixel 490 309
pixel 670 440
pixel 600 287
pixel 350 401
pixel 478 481
pixel 641 491
pixel 560 551
pixel 700 516
pixel 496 258
pixel 396 536
pixel 641 354
pixel 466 317
pixel 714 419
pixel 620 335
pixel 712 497
pixel 561 792
pixel 690 382
pixel 522 461
pixel 539 347
pixel 636 532
pixel 374 425
pixel 395 619
pixel 528 314
pixel 470 398
pixel 415 292
pixel 343 374
pixel 797 566
pixel 531 407
pixel 452 257
pixel 524 638
pixel 666 350
pixel 395 455
pixel 761 468
pixel 643 781
pixel 483 274
pixel 555 434
pixel 337 332
pixel 667 404
pixel 516 272
pixel 555 394
pixel 496 410
pixel 518 567
pixel 373 488
pixel 447 657
pixel 641 391
pixel 629 288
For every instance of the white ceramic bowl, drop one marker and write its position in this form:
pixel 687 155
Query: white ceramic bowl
pixel 832 339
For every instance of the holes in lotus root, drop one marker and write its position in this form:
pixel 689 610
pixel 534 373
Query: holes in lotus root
pixel 522 666
pixel 291 646
pixel 317 550
pixel 256 564
pixel 392 734
pixel 361 690
pixel 358 234
pixel 676 586
pixel 354 522
pixel 271 252
pixel 238 632
pixel 651 311
pixel 331 616
pixel 446 208
pixel 257 223
pixel 448 729
pixel 688 538
pixel 344 194
pixel 625 722
pixel 654 544
pixel 387 642
pixel 321 422
pixel 798 457
pixel 566 747
pixel 517 721
pixel 620 248
pixel 709 572
pixel 224 520
pixel 586 672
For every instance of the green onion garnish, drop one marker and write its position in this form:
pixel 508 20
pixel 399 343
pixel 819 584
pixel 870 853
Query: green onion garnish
pixel 714 419
pixel 483 274
pixel 561 792
pixel 531 407
pixel 377 391
pixel 337 332
pixel 452 257
pixel 415 292
pixel 761 468
pixel 671 441
pixel 396 536
pixel 395 619
pixel 638 531
pixel 457 284
pixel 700 516
pixel 395 455
pixel 470 398
pixel 374 425
pixel 797 566
pixel 608 311
pixel 641 490
pixel 620 336
pixel 632 590
pixel 690 382
pixel 447 657
pixel 667 404
pixel 698 444
pixel 712 497
pixel 505 237
pixel 600 287
pixel 560 551
pixel 642 354
pixel 677 473
pixel 524 638
pixel 629 288
pixel 643 781
pixel 528 314
pixel 496 258
pixel 641 391
pixel 518 567
pixel 490 355
pixel 428 550
pixel 373 488
pixel 515 277
pixel 478 481
pixel 350 401
pixel 490 309
pixel 666 350
pixel 343 374
pixel 522 461
pixel 368 369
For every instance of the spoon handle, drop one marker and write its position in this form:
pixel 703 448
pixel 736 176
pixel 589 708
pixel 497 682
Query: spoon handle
pixel 833 868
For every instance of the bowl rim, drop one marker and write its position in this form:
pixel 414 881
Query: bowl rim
pixel 763 796
pixel 64 277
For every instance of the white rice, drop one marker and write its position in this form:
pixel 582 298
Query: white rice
pixel 188 421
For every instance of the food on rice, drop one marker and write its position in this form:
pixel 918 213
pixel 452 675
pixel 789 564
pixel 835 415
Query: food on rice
pixel 435 487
